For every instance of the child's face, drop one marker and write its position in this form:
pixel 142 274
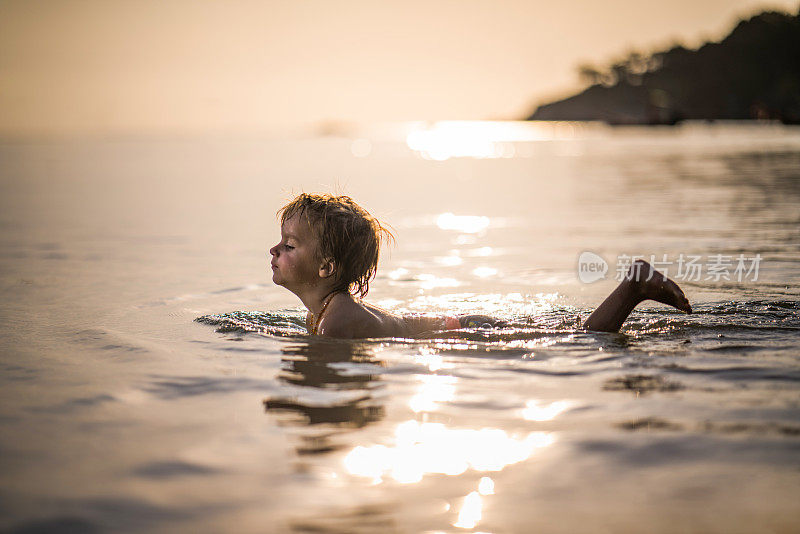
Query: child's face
pixel 295 263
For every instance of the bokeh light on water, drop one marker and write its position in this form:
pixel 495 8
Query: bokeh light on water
pixel 420 449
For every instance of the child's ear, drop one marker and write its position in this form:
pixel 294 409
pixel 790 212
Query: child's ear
pixel 327 268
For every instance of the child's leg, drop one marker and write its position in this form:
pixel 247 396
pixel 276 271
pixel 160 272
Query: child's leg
pixel 609 316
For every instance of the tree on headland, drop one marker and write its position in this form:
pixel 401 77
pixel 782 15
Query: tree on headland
pixel 753 73
pixel 590 74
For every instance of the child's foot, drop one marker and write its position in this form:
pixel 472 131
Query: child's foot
pixel 655 286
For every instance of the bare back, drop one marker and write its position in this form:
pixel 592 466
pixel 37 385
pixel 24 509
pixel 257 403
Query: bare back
pixel 348 317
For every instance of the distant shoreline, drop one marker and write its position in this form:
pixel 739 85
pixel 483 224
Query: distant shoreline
pixel 752 74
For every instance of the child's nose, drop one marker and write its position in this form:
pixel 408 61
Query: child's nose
pixel 273 251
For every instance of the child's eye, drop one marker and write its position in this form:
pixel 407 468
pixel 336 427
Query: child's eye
pixel 288 247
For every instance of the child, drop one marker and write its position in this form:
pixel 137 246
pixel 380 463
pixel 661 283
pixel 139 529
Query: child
pixel 328 254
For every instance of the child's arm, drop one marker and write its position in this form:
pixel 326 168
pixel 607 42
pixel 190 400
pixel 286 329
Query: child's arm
pixel 417 324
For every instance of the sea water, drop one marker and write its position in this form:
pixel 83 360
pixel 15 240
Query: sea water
pixel 153 379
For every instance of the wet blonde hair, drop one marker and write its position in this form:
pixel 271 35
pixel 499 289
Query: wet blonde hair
pixel 347 234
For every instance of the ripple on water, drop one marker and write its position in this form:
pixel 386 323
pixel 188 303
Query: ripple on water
pixel 173 387
pixel 716 329
pixel 172 469
pixel 715 347
pixel 641 384
pixel 281 323
pixel 742 428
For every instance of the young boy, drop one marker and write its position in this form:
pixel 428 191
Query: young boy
pixel 328 254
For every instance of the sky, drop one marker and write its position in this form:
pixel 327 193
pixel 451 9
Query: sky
pixel 107 67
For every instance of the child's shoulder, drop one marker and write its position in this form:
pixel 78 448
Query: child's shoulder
pixel 349 317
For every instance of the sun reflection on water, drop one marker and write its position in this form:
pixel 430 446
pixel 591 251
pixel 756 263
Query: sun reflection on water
pixel 471 511
pixel 430 281
pixel 432 390
pixel 484 272
pixel 509 306
pixel 431 448
pixel 468 224
pixel 432 360
pixel 449 261
pixel 486 486
pixel 399 273
pixel 539 411
pixel 482 139
pixel 472 507
pixel 481 252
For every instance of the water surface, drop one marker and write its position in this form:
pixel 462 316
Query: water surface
pixel 121 412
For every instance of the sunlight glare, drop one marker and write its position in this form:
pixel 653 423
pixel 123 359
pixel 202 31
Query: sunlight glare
pixel 432 390
pixel 476 139
pixel 398 273
pixel 449 261
pixel 427 448
pixel 537 411
pixel 470 512
pixel 486 486
pixel 432 360
pixel 467 224
pixel 430 281
pixel 484 272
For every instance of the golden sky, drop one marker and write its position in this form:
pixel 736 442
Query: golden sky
pixel 183 66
